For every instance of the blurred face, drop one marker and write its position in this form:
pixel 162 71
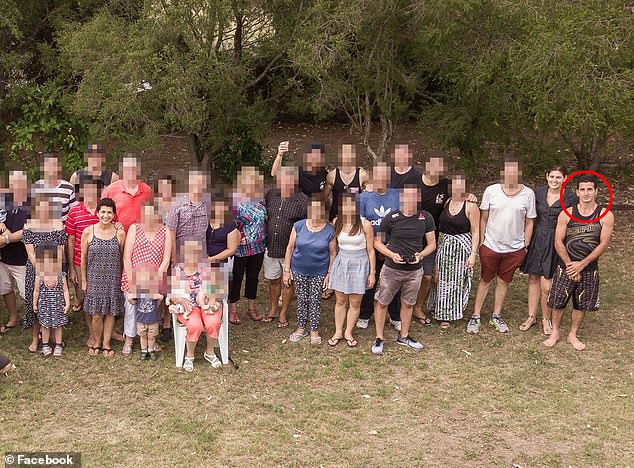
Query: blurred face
pixel 512 173
pixel 51 263
pixel 130 169
pixel 105 215
pixel 250 182
pixel 587 192
pixel 192 252
pixel 197 182
pixel 555 179
pixel 402 156
pixel 381 175
pixel 219 211
pixel 314 158
pixel 287 181
pixel 348 155
pixel 51 168
pixel 316 211
pixel 458 187
pixel 165 189
pixel 18 181
pixel 348 207
pixel 95 161
pixel 410 198
pixel 90 194
pixel 44 210
pixel 149 214
pixel 435 167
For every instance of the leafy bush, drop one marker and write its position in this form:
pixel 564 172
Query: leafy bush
pixel 242 149
pixel 44 124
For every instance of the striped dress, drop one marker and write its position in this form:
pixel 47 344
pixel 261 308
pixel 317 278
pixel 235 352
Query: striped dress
pixel 450 296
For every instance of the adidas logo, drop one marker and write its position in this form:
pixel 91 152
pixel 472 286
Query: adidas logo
pixel 382 212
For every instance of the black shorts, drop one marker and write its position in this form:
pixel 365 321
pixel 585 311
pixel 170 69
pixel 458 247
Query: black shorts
pixel 584 293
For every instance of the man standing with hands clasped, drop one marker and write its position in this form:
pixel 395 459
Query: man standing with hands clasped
pixel 579 244
pixel 405 238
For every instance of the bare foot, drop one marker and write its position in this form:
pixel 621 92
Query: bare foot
pixel 547 326
pixel 552 340
pixel 574 341
pixel 90 343
pixel 528 323
pixel 117 336
pixel 33 346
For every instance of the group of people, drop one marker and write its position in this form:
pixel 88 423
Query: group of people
pixel 391 240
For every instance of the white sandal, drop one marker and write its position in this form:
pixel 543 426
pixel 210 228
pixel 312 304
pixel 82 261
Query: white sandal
pixel 213 360
pixel 189 364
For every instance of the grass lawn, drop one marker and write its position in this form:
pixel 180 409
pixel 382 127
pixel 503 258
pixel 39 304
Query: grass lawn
pixel 485 400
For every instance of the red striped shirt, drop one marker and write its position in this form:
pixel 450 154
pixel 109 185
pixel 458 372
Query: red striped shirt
pixel 79 218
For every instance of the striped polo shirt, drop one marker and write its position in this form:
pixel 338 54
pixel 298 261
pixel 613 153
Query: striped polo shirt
pixel 63 194
pixel 79 218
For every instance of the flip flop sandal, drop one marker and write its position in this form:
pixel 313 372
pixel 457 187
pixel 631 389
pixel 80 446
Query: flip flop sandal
pixel 335 341
pixel 352 343
pixel 315 340
pixel 95 350
pixel 296 337
pixel 108 352
pixel 282 324
pixel 444 325
pixel 425 321
pixel 269 319
pixel 6 328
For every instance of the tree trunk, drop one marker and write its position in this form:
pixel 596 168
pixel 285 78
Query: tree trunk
pixel 589 154
pixel 387 131
pixel 237 38
pixel 195 149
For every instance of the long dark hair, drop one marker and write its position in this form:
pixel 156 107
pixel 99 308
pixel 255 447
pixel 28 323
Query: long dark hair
pixel 357 226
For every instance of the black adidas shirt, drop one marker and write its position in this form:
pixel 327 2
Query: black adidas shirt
pixel 406 236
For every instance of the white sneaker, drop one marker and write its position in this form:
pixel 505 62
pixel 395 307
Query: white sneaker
pixel 377 347
pixel 363 323
pixel 396 324
pixel 213 360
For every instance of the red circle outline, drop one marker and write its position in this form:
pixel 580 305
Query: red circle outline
pixel 572 176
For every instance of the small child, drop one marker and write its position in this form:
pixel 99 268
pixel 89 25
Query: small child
pixel 51 298
pixel 193 300
pixel 144 293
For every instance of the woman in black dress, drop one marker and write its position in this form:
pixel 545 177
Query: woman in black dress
pixel 541 259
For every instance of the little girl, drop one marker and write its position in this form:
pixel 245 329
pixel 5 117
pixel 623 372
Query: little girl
pixel 51 298
pixel 144 293
pixel 194 302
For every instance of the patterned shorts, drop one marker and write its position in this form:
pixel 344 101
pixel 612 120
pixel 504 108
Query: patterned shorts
pixel 584 293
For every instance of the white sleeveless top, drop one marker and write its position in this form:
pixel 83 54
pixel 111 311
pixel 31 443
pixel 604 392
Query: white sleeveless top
pixel 348 242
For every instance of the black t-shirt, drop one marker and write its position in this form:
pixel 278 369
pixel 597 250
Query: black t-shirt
pixel 434 197
pixel 406 236
pixel 217 238
pixel 310 183
pixel 14 253
pixel 411 177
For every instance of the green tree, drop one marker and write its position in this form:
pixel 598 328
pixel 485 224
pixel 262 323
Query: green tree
pixel 518 72
pixel 192 66
pixel 364 58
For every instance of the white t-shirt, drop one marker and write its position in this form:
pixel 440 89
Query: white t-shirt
pixel 507 214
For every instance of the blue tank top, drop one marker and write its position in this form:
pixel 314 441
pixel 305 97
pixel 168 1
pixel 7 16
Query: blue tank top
pixel 311 256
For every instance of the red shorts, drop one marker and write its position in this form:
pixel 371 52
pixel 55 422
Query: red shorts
pixel 501 264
